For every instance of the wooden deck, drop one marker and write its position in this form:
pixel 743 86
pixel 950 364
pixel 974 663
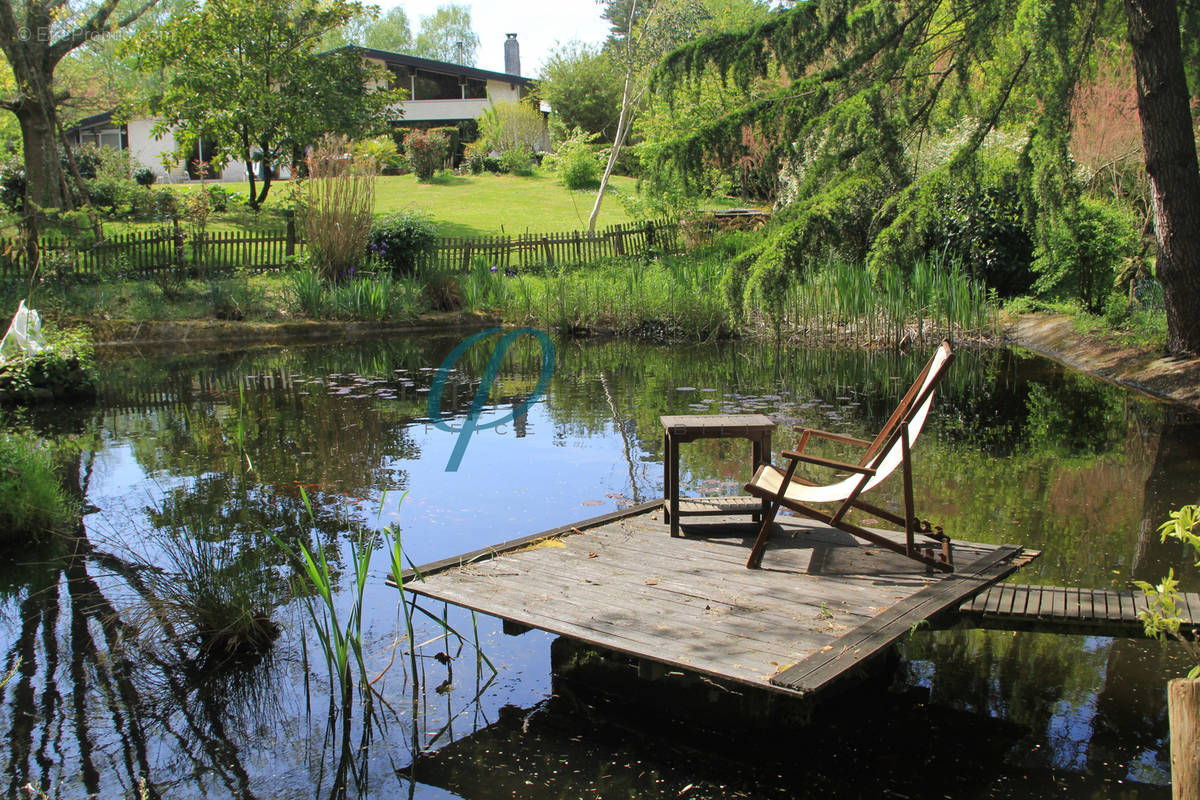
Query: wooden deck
pixel 822 603
pixel 1107 612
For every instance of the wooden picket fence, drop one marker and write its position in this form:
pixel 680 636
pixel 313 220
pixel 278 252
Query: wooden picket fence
pixel 148 253
pixel 552 249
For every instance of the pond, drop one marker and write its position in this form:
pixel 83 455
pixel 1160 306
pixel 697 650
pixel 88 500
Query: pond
pixel 198 470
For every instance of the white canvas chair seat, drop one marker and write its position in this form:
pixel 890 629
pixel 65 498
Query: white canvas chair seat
pixel 890 449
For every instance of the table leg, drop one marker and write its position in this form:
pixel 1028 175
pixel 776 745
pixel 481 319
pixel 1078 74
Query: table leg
pixel 673 458
pixel 756 458
pixel 762 456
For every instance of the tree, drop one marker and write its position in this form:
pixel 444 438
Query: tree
pixel 391 32
pixel 583 85
pixel 35 36
pixel 245 75
pixel 442 32
pixel 862 86
pixel 649 32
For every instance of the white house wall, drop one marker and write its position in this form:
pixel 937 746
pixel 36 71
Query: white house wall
pixel 147 149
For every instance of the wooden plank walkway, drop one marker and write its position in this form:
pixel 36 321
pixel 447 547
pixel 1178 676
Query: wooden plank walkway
pixel 1110 612
pixel 822 603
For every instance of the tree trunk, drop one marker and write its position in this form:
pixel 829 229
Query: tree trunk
pixel 1170 145
pixel 43 172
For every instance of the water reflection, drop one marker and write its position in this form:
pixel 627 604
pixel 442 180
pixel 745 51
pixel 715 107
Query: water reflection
pixel 197 464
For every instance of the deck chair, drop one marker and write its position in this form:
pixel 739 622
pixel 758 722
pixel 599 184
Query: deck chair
pixel 890 449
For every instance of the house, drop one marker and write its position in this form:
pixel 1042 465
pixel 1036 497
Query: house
pixel 440 94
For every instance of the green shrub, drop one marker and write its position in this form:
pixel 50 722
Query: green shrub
pixel 107 192
pixel 383 151
pixel 1083 246
pixel 63 369
pixel 491 164
pixel 474 158
pixel 576 162
pixel 398 240
pixel 34 500
pixel 516 162
pixel 426 152
pixel 983 228
pixel 144 176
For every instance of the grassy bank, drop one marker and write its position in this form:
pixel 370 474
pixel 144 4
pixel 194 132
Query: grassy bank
pixel 669 297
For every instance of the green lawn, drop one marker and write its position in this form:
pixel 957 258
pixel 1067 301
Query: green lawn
pixel 480 205
pixel 466 205
pixel 460 205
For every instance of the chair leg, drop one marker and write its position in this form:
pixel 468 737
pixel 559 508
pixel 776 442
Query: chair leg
pixel 764 533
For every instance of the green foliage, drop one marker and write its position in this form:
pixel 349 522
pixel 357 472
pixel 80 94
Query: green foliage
pixel 382 150
pixel 390 32
pixel 515 162
pixel 971 211
pixel 397 241
pixel 35 503
pixel 64 368
pixel 474 157
pixel 1082 249
pixel 509 125
pixel 575 162
pixel 426 152
pixel 440 33
pixel 144 176
pixel 1163 618
pixel 12 186
pixel 863 91
pixel 583 85
pixel 370 297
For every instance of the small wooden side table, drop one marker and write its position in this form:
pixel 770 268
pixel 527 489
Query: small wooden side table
pixel 690 427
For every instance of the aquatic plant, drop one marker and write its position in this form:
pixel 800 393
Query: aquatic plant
pixel 35 502
pixel 219 597
pixel 1162 620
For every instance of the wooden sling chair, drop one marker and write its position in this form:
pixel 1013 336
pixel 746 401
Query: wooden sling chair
pixel 891 448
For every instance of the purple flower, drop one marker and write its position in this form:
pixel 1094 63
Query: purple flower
pixel 494 267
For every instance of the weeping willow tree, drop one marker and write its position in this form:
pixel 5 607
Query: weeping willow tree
pixel 849 92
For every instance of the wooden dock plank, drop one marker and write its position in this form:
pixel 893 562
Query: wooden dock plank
pixel 620 581
pixel 868 639
pixel 1112 611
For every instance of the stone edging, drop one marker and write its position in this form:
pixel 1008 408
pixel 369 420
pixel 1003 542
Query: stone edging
pixel 1055 337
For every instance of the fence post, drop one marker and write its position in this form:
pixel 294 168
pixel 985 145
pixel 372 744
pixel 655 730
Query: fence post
pixel 177 235
pixel 289 247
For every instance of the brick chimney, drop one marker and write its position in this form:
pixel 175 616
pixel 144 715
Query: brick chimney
pixel 512 55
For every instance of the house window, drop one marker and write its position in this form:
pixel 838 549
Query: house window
pixel 111 139
pixel 435 86
pixel 474 90
pixel 400 78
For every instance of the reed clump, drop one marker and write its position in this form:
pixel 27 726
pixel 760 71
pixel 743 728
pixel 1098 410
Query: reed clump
pixel 339 205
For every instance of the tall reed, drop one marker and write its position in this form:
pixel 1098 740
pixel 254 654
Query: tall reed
pixel 339 205
pixel 844 302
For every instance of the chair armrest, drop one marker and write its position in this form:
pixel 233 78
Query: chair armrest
pixel 827 462
pixel 833 437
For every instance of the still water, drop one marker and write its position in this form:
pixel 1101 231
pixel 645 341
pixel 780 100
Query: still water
pixel 196 470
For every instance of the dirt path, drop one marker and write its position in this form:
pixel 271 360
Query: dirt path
pixel 1055 337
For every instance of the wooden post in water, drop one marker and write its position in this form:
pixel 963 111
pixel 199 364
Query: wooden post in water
pixel 1183 709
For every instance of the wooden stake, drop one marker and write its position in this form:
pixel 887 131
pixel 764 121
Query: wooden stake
pixel 1183 708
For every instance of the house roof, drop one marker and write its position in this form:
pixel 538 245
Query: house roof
pixel 404 60
pixel 94 121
